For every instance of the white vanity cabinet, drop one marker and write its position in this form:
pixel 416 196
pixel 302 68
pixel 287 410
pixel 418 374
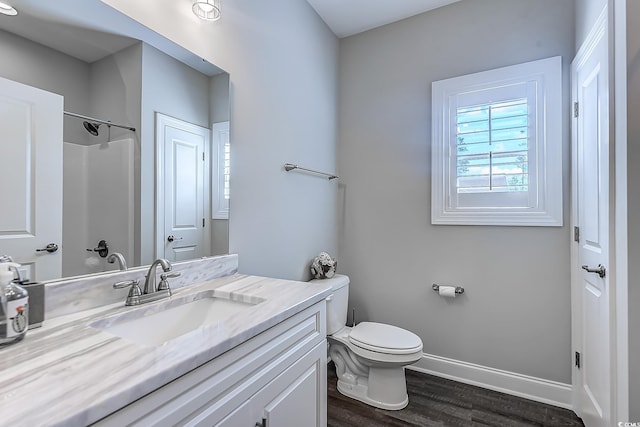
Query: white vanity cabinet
pixel 275 379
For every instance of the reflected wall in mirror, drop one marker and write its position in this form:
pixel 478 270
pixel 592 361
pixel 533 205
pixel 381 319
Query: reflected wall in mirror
pixel 118 71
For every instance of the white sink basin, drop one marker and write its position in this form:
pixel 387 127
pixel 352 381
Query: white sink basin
pixel 164 321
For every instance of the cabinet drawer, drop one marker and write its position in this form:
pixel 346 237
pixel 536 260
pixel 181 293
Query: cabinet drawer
pixel 226 382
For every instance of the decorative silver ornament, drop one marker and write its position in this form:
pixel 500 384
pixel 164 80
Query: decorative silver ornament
pixel 323 266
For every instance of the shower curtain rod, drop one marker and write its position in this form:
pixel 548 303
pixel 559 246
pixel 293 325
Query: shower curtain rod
pixel 104 122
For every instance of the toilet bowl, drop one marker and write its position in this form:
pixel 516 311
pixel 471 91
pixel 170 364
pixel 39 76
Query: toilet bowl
pixel 369 357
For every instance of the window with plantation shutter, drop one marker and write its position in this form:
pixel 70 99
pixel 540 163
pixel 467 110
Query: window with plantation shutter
pixel 226 163
pixel 221 169
pixel 497 147
pixel 492 147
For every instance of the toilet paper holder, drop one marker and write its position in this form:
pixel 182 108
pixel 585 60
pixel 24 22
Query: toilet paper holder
pixel 459 289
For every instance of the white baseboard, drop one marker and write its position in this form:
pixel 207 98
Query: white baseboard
pixel 538 389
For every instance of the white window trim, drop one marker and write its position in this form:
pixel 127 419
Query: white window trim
pixel 547 75
pixel 220 208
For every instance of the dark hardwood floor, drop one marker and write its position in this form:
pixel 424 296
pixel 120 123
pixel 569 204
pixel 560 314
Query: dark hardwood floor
pixel 435 401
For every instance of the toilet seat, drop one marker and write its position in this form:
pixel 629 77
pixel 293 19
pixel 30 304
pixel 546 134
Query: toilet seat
pixel 383 338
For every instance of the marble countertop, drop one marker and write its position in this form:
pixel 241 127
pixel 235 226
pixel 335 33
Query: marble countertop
pixel 68 373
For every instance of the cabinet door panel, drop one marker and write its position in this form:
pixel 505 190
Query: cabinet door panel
pixel 296 406
pixel 298 396
pixel 242 416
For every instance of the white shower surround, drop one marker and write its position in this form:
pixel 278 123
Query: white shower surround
pixel 98 194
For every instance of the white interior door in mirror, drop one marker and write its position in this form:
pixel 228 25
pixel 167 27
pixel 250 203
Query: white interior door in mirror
pixel 31 177
pixel 183 190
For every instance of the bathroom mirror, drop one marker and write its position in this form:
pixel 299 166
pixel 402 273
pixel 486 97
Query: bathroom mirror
pixel 118 72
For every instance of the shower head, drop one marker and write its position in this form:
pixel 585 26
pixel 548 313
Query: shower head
pixel 92 128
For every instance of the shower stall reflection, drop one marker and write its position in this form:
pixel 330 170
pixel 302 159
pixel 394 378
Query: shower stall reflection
pixel 98 186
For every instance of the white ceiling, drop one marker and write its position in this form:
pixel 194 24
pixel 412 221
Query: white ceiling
pixel 348 17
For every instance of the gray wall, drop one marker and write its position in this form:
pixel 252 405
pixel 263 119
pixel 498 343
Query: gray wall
pixel 515 314
pixel 283 65
pixel 633 147
pixel 116 94
pixel 219 98
pixel 35 65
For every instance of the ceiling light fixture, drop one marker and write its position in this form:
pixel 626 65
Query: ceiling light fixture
pixel 209 10
pixel 6 9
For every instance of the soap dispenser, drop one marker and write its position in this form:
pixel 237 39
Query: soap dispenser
pixel 14 309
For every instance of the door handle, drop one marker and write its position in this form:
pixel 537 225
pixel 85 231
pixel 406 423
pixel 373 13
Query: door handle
pixel 51 248
pixel 599 270
pixel 172 238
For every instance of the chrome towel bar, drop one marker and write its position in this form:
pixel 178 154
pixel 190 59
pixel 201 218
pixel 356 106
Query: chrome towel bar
pixel 290 166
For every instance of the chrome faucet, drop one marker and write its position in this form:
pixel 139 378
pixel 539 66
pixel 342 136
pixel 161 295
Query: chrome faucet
pixel 116 256
pixel 150 292
pixel 150 278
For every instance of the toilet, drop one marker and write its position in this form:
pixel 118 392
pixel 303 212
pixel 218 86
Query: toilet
pixel 369 357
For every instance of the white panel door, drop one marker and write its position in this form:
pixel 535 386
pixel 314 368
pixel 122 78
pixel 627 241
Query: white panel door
pixel 183 193
pixel 31 178
pixel 591 199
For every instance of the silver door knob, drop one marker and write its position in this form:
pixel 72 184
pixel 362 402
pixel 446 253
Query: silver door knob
pixel 51 248
pixel 172 238
pixel 599 270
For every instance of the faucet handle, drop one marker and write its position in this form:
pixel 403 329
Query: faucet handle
pixel 164 283
pixel 134 293
pixel 126 283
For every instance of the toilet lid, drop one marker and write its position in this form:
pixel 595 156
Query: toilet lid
pixel 385 338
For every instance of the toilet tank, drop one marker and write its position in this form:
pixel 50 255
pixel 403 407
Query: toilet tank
pixel 337 302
